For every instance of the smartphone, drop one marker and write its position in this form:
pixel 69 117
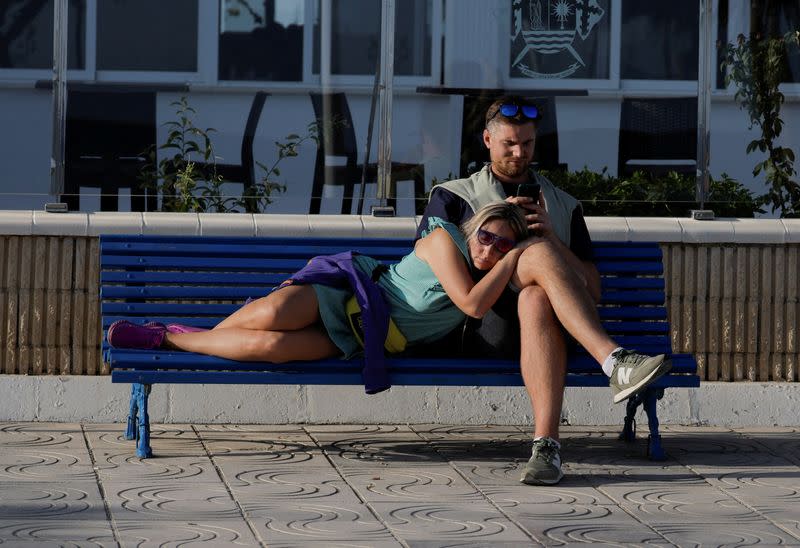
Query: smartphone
pixel 531 190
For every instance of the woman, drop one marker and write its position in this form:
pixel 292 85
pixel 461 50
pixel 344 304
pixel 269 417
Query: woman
pixel 429 291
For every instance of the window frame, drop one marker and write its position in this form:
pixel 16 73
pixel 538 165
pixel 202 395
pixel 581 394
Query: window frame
pixel 19 75
pixel 367 80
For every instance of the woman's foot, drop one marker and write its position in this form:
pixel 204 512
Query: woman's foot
pixel 125 334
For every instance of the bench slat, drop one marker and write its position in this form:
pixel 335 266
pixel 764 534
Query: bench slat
pixel 344 378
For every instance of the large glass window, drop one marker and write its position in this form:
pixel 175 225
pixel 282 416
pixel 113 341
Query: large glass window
pixel 147 35
pixel 261 40
pixel 560 39
pixel 659 40
pixel 356 37
pixel 26 34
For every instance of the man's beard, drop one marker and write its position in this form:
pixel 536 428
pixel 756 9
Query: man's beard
pixel 510 169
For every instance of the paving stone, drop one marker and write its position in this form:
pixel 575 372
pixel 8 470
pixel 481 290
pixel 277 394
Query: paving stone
pixel 41 435
pixel 449 523
pixel 122 466
pixel 174 500
pixel 297 524
pixel 168 440
pixel 507 497
pixel 391 447
pixel 269 487
pixel 241 442
pixel 435 483
pixel 58 464
pixel 37 532
pixel 483 473
pixel 186 533
pixel 694 533
pixel 391 485
pixel 51 500
pixel 557 523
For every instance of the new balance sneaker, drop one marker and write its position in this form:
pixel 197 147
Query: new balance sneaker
pixel 633 372
pixel 544 466
pixel 125 334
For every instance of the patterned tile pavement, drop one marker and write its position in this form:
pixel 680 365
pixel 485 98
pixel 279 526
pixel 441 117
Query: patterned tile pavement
pixel 392 485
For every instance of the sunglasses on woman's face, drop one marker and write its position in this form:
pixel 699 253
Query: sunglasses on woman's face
pixel 503 245
pixel 509 110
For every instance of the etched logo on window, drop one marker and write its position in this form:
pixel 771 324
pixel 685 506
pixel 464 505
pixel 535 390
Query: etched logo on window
pixel 545 32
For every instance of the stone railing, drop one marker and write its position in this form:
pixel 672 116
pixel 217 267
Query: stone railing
pixel 732 284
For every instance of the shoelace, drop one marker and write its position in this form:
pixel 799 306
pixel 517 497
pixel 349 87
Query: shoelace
pixel 546 448
pixel 626 356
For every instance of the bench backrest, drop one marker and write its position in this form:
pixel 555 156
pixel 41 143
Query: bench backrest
pixel 201 279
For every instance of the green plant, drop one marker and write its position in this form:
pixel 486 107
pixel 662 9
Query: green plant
pixel 184 187
pixel 644 195
pixel 176 177
pixel 261 195
pixel 756 65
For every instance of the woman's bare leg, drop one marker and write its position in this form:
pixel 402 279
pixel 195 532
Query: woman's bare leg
pixel 285 325
pixel 289 308
pixel 235 343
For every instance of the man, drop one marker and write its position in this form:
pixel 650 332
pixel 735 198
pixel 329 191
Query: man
pixel 555 288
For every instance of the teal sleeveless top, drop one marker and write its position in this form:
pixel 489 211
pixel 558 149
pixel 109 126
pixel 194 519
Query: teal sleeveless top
pixel 420 307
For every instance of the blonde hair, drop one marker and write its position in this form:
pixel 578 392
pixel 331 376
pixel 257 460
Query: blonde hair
pixel 505 211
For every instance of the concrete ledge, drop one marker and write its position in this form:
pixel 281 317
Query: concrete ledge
pixel 660 229
pixel 97 399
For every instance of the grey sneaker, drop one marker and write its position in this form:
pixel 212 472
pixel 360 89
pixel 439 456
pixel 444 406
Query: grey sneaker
pixel 633 372
pixel 544 466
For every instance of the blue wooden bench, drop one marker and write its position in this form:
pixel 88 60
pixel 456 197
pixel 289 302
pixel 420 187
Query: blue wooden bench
pixel 200 280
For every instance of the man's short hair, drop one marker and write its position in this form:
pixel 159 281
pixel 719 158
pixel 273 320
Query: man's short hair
pixel 493 112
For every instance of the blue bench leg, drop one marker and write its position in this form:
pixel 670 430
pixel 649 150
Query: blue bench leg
pixel 130 431
pixel 143 450
pixel 651 397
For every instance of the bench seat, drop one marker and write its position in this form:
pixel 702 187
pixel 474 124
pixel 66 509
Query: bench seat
pixel 199 280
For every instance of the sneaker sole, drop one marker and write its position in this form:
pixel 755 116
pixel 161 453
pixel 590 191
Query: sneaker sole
pixel 623 395
pixel 535 481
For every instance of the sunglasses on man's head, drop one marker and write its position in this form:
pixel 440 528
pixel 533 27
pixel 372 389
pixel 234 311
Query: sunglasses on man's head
pixel 510 110
pixel 503 245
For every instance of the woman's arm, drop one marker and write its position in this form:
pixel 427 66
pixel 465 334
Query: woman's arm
pixel 449 265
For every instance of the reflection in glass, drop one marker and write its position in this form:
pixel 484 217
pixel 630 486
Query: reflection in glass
pixel 560 39
pixel 26 34
pixel 659 40
pixel 774 19
pixel 261 40
pixel 356 35
pixel 147 35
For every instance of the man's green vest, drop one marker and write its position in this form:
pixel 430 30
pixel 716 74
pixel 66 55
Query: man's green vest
pixel 482 188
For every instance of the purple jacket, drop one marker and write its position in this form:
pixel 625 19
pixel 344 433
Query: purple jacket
pixel 339 271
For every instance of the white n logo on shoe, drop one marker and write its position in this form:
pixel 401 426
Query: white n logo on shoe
pixel 624 375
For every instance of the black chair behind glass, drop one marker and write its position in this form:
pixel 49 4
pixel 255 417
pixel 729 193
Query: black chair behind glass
pixel 108 133
pixel 658 135
pixel 338 140
pixel 243 172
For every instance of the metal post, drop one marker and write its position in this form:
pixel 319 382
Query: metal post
pixel 59 96
pixel 385 133
pixel 704 65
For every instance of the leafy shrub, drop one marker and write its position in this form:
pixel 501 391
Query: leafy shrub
pixel 644 195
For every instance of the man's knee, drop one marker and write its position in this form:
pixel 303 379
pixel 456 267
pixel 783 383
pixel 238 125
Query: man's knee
pixel 534 305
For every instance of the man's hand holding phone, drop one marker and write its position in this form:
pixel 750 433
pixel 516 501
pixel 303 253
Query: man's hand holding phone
pixel 536 215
